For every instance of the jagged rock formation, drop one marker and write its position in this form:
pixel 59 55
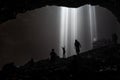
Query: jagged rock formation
pixel 10 8
pixel 97 64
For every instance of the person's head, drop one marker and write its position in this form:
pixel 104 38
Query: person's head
pixel 52 49
pixel 76 40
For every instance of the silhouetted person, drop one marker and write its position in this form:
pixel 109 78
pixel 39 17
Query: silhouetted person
pixel 114 38
pixel 77 46
pixel 53 55
pixel 63 48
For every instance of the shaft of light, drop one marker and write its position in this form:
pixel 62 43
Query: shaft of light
pixel 95 24
pixel 69 28
pixel 92 17
pixel 64 29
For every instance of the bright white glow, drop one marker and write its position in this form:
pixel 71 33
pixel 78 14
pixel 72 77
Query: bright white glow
pixel 95 23
pixel 91 23
pixel 74 23
pixel 64 29
pixel 93 29
pixel 73 31
pixel 69 28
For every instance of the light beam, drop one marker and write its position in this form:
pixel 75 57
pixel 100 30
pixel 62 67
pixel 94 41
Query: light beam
pixel 73 31
pixel 69 28
pixel 93 30
pixel 64 29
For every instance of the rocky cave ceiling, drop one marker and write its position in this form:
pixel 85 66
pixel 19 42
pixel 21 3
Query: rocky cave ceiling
pixel 10 8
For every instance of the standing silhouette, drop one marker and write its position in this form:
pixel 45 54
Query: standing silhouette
pixel 77 46
pixel 63 48
pixel 53 55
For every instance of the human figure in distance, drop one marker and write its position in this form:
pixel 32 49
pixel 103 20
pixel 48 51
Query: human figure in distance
pixel 77 46
pixel 63 48
pixel 53 55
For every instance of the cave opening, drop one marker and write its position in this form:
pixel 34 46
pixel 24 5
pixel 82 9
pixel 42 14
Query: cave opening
pixel 35 32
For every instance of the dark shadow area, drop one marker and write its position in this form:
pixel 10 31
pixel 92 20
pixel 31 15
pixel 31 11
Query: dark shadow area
pixel 100 63
pixel 10 8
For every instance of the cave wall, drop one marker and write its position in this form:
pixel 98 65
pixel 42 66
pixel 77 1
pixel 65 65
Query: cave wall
pixel 10 8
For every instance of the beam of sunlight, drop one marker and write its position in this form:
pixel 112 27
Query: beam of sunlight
pixel 91 22
pixel 69 28
pixel 93 29
pixel 95 24
pixel 73 15
pixel 64 29
pixel 74 22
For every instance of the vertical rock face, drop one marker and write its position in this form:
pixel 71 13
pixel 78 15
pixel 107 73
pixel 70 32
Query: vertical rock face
pixel 10 8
